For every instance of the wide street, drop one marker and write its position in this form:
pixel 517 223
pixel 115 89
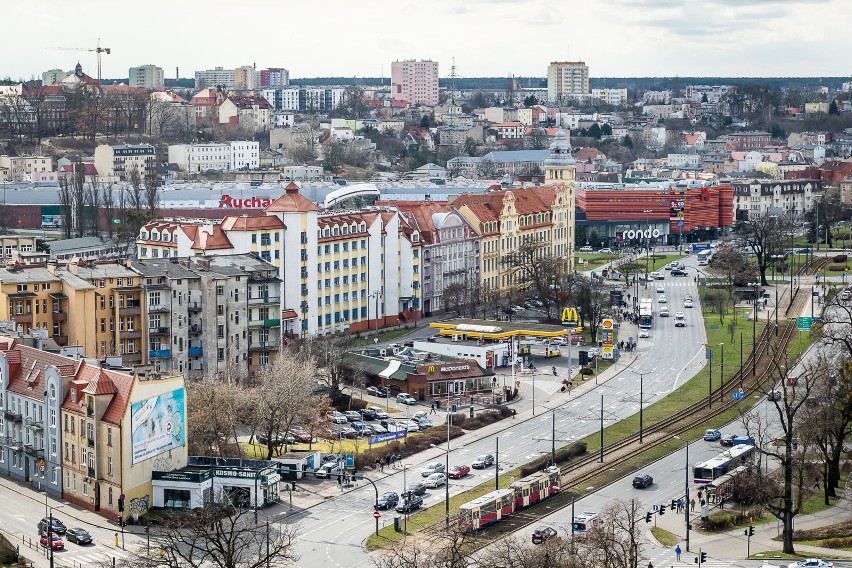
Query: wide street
pixel 333 532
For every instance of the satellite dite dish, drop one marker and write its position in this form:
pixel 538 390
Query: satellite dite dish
pixel 142 415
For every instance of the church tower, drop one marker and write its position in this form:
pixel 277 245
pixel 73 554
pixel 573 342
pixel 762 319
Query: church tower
pixel 560 174
pixel 559 167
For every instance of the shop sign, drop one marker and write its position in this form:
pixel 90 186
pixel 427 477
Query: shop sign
pixel 248 203
pixel 454 368
pixel 236 473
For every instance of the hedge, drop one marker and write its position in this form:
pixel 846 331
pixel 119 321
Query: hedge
pixel 413 444
pixel 562 455
pixel 839 258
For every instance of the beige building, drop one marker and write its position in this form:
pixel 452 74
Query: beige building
pixel 415 82
pixel 245 78
pixel 567 80
pixel 146 77
pixel 116 162
pixel 24 168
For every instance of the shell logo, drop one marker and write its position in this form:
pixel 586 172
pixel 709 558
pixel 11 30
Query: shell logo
pixel 607 324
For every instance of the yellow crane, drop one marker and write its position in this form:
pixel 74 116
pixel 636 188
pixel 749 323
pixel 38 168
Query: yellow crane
pixel 97 50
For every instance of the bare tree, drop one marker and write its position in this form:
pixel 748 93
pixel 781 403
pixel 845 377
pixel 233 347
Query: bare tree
pixel 592 297
pixel 93 205
pixel 453 298
pixel 534 269
pixel 215 408
pixel 66 204
pixel 617 540
pixel 766 236
pixel 108 201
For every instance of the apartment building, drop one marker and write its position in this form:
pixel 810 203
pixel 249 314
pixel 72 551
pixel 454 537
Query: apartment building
pixel 249 113
pixel 117 429
pixel 26 168
pixel 567 80
pixel 216 77
pixel 507 218
pixel 146 77
pixel 415 82
pixel 615 97
pixel 792 198
pixel 116 162
pixel 230 156
pixel 274 77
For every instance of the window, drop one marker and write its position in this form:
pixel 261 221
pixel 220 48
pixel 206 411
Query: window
pixel 67 455
pixel 53 418
pixel 220 310
pixel 109 466
pixel 85 487
pixel 220 332
pixel 109 493
pixel 109 436
pixel 220 354
pixel 220 290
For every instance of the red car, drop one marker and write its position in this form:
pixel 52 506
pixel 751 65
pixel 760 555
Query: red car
pixel 458 471
pixel 56 541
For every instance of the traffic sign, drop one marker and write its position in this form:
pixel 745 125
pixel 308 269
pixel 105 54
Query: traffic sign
pixel 349 460
pixel 41 465
pixel 376 515
pixel 680 224
pixel 804 323
pixel 738 395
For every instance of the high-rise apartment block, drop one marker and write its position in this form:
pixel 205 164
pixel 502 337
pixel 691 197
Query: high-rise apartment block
pixel 146 77
pixel 567 80
pixel 244 78
pixel 274 77
pixel 415 82
pixel 53 77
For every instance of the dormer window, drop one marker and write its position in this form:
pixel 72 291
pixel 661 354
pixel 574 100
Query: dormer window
pixel 155 236
pixel 334 232
pixel 166 237
pixel 143 235
pixel 345 230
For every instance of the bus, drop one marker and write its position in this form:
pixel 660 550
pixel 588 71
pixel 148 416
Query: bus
pixel 704 257
pixel 646 313
pixel 712 469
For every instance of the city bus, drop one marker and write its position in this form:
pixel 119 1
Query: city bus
pixel 713 469
pixel 646 313
pixel 704 257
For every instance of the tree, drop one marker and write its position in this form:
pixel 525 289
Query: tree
pixel 766 235
pixel 66 204
pixel 627 142
pixel 832 108
pixel 718 299
pixel 530 101
pixel 536 272
pixel 453 298
pixel 333 158
pixel 617 541
pixel 592 298
pixel 215 410
pixel 220 535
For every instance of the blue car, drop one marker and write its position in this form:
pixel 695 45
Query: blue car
pixel 712 435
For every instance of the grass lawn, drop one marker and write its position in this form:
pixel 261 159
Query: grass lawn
pixel 594 260
pixel 664 537
pixel 384 335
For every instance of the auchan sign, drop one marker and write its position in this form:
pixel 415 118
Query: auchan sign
pixel 248 203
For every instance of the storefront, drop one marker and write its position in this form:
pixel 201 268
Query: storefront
pixel 186 488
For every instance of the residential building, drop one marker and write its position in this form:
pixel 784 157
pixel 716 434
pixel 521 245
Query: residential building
pixel 615 97
pixel 791 198
pixel 244 78
pixel 146 77
pixel 509 130
pixel 274 77
pixel 116 430
pixel 507 218
pixel 415 82
pixel 846 191
pixel 25 168
pixel 249 113
pixel 53 77
pixel 117 162
pixel 217 77
pixel 567 80
pixel 12 245
pixel 196 158
pixel 206 103
pixel 749 140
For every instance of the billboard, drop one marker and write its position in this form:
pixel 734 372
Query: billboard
pixel 158 424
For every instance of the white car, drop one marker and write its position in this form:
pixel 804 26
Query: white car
pixel 687 303
pixel 811 563
pixel 405 398
pixel 586 248
pixel 337 418
pixel 559 341
pixel 661 290
pixel 680 319
pixel 662 299
pixel 435 480
pixel 432 468
pixel 656 276
pixel 594 352
pixel 411 425
pixel 420 414
pixel 380 412
pixel 643 333
pixel 605 251
pixel 664 312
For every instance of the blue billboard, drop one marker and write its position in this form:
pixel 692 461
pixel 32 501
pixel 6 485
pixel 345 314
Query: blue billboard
pixel 158 424
pixel 387 437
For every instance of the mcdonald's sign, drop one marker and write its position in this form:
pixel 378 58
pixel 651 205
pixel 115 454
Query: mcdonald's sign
pixel 570 317
pixel 430 369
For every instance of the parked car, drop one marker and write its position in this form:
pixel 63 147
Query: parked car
pixel 643 481
pixel 594 352
pixel 347 431
pixel 436 467
pixel 541 534
pixel 407 505
pixel 361 428
pixel 845 296
pixel 405 398
pixel 420 414
pixel 79 536
pixel 435 480
pixel 458 471
pixel 416 488
pixel 56 525
pixel 337 418
pixel 678 272
pixel 327 470
pixel 424 423
pixel 300 434
pixel 605 250
pixel 774 395
pixel 411 425
pixel 55 541
pixel 482 461
pixel 811 563
pixel 368 414
pixel 586 248
pixel 712 436
pixel 380 412
pixel 559 341
pixel 277 440
pixel 387 501
pixel 352 415
pixel 377 391
pixel 377 428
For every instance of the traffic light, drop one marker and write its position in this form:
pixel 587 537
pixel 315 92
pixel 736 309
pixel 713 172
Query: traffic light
pixel 121 503
pixel 662 509
pixel 750 531
pixel 647 517
pixel 703 557
pixel 673 505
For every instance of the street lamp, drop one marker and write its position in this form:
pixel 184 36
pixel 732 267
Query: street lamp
pixel 447 473
pixel 722 375
pixel 647 213
pixel 754 286
pixel 360 476
pixel 377 294
pixel 686 493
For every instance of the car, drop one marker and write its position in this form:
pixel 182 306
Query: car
pixel 482 461
pixel 811 563
pixel 416 488
pixel 368 414
pixel 662 299
pixel 541 534
pixel 435 467
pixel 424 423
pixel 688 297
pixel 728 439
pixel 380 392
pixel 669 266
pixel 336 418
pixel 678 272
pixel 643 481
pixel 656 276
pixel 661 290
pixel 664 312
pixel 712 435
pixel 55 541
pixel 405 398
pixel 361 428
pixel 805 250
pixel 774 395
pixel 420 414
pixel 79 536
pixel 410 504
pixel 377 428
pixel 518 309
pixel 687 303
pixel 586 248
pixel 352 415
pixel 300 434
pixel 458 471
pixel 411 425
pixel 56 525
pixel 559 341
pixel 347 431
pixel 277 440
pixel 379 411
pixel 327 470
pixel 680 319
pixel 387 501
pixel 643 333
pixel 605 250
pixel 435 480
pixel 594 352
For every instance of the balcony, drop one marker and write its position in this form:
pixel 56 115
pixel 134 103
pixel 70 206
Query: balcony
pixel 131 309
pixel 270 345
pixel 159 308
pixel 15 445
pixel 23 318
pixel 274 322
pixel 195 351
pixel 161 330
pixel 194 307
pixel 195 329
pixel 33 451
pixel 160 353
pixel 262 277
pixel 9 415
pixel 131 358
pixel 131 334
pixel 273 300
pixel 91 442
pixel 34 423
pixel 59 315
pixel 61 340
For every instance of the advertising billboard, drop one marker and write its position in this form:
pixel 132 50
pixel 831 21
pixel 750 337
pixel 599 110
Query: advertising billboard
pixel 158 424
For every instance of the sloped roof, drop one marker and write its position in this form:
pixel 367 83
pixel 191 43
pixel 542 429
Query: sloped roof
pixel 245 223
pixel 292 202
pixel 100 381
pixel 27 378
pixel 205 240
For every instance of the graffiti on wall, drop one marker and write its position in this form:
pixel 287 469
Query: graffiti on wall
pixel 138 506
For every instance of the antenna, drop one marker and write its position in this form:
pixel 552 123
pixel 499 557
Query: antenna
pixel 453 75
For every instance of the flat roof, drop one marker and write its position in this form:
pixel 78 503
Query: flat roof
pixel 498 329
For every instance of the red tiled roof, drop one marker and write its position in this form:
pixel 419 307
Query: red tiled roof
pixel 88 169
pixel 251 223
pixel 98 381
pixel 27 376
pixel 291 202
pixel 205 240
pixel 101 384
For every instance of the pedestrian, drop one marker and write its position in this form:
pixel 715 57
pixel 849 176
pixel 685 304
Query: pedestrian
pixel 340 481
pixel 680 505
pixel 650 565
pixel 432 410
pixel 699 495
pixel 677 553
pixel 378 463
pixel 513 413
pixel 816 482
pixel 382 465
pixel 692 504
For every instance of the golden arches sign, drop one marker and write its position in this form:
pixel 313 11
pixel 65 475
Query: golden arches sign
pixel 569 316
pixel 430 369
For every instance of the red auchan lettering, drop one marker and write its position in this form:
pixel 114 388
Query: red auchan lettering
pixel 250 203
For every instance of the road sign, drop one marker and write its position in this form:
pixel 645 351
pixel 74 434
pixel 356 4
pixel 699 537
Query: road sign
pixel 517 384
pixel 349 460
pixel 387 437
pixel 804 323
pixel 376 515
pixel 41 465
pixel 738 395
pixel 656 508
pixel 680 224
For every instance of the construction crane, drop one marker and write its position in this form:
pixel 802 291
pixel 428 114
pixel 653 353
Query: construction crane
pixel 97 50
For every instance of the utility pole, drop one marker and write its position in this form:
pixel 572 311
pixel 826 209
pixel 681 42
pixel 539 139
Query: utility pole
pixel 641 384
pixel 722 375
pixel 553 438
pixel 602 437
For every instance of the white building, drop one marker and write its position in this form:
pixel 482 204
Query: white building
pixel 245 155
pixel 791 197
pixel 684 160
pixel 146 77
pixel 53 77
pixel 616 97
pixel 195 158
pixel 567 80
pixel 217 77
pixel 117 162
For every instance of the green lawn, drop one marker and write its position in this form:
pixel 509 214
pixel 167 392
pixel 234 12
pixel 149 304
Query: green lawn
pixel 384 335
pixel 664 537
pixel 594 260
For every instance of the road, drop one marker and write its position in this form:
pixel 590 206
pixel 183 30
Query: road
pixel 332 533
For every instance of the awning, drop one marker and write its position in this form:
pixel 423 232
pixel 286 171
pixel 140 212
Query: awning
pixel 392 367
pixel 289 314
pixel 58 295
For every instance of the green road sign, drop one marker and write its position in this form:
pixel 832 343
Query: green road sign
pixel 804 324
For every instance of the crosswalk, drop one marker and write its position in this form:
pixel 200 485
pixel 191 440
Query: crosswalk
pixel 80 557
pixel 661 558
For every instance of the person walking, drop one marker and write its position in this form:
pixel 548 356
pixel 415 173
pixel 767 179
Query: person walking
pixel 677 553
pixel 432 409
pixel 680 505
pixel 692 505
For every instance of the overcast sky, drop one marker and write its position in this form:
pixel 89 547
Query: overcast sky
pixel 486 37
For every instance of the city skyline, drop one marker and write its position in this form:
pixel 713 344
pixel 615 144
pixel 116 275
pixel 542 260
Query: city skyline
pixel 663 38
